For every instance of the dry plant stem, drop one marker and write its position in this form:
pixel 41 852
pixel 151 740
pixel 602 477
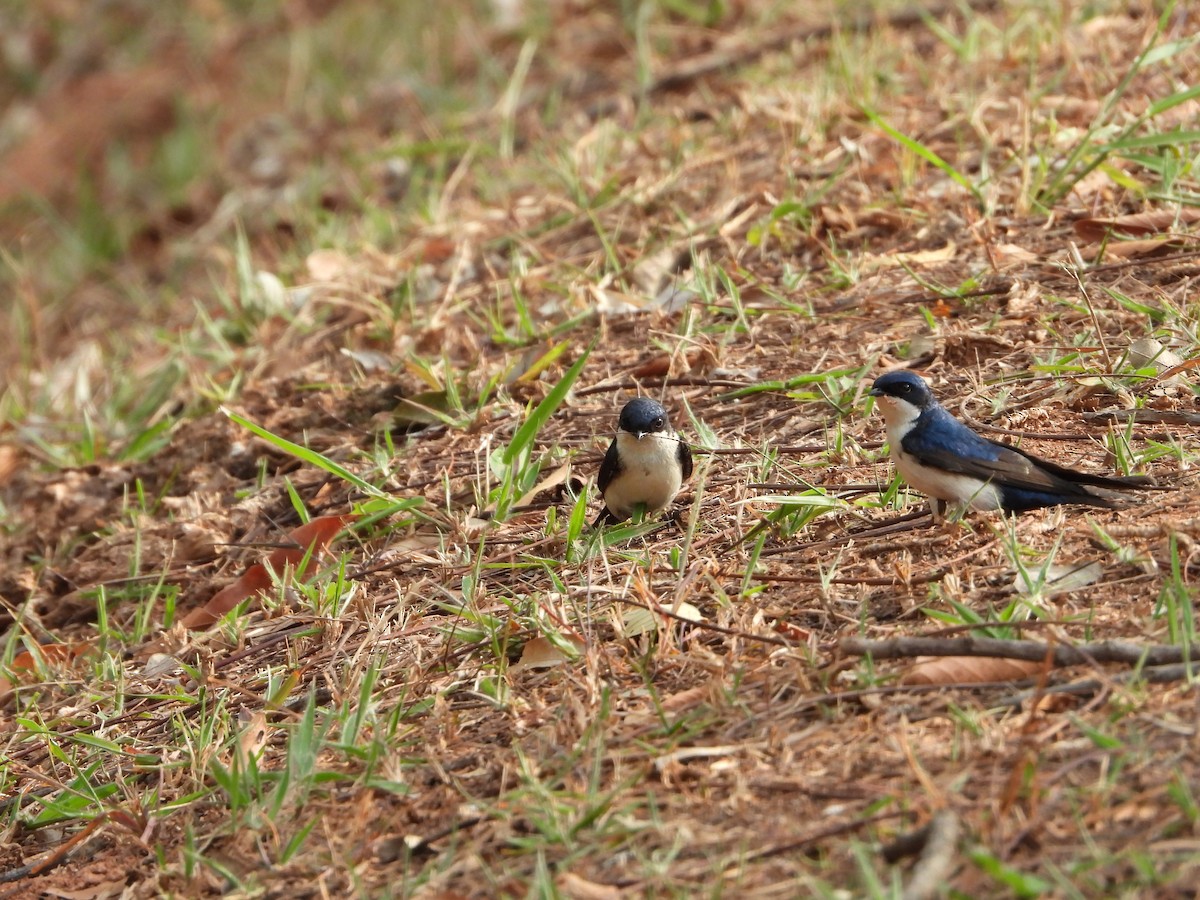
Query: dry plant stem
pixel 900 523
pixel 1144 416
pixel 822 834
pixel 1087 299
pixel 1092 686
pixel 631 385
pixel 708 626
pixel 60 854
pixel 721 60
pixel 937 857
pixel 1061 655
pixel 1025 435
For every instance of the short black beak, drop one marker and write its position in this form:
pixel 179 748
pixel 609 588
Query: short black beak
pixel 875 392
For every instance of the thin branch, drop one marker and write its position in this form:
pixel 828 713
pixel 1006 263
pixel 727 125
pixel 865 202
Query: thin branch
pixel 1060 655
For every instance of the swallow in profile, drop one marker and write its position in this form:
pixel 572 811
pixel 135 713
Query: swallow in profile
pixel 944 459
pixel 645 465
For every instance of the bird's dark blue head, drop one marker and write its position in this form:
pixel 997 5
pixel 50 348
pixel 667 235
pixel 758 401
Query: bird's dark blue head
pixel 643 416
pixel 904 386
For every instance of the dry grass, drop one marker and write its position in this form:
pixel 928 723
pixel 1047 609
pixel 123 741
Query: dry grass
pixel 384 729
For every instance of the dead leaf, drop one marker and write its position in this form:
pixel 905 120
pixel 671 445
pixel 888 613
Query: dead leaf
pixel 578 888
pixel 10 459
pixel 307 540
pixel 101 891
pixel 328 265
pixel 698 360
pixel 792 631
pixel 1013 253
pixel 1146 351
pixel 1097 229
pixel 617 303
pixel 50 653
pixel 1058 579
pixel 874 262
pixel 253 738
pixel 25 662
pixel 437 250
pixel 1148 248
pixel 639 620
pixel 968 670
pixel 541 653
pixel 552 480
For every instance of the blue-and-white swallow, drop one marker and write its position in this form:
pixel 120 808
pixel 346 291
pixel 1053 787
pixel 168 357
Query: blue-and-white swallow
pixel 944 459
pixel 646 463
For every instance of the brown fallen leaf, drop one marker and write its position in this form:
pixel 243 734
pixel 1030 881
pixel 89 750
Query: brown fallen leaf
pixel 328 265
pixel 578 888
pixel 792 631
pixel 699 360
pixel 541 653
pixel 252 739
pixel 640 620
pixel 25 662
pixel 1148 248
pixel 968 669
pixel 872 262
pixel 1096 229
pixel 104 890
pixel 548 482
pixel 307 540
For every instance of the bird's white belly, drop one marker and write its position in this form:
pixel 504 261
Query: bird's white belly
pixel 942 485
pixel 650 474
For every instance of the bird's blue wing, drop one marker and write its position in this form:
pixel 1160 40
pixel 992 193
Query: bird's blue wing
pixel 940 440
pixel 685 460
pixel 609 468
pixel 944 442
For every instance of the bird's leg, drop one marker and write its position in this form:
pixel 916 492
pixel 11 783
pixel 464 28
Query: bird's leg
pixel 938 508
pixel 946 514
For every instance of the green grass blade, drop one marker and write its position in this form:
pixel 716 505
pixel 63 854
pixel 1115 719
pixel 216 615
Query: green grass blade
pixel 925 153
pixel 544 410
pixel 312 457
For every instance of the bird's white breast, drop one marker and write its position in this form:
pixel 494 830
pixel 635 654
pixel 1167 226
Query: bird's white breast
pixel 900 417
pixel 650 473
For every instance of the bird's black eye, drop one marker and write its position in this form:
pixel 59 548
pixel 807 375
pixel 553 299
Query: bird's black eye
pixel 658 422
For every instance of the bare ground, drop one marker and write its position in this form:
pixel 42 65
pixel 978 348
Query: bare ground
pixel 744 754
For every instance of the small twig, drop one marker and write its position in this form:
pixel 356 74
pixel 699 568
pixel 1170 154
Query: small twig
pixel 1061 655
pixel 1003 288
pixel 682 381
pixel 1025 435
pixel 292 629
pixel 1073 271
pixel 927 578
pixel 821 835
pixel 891 526
pixel 59 854
pixel 727 58
pixel 1090 686
pixel 1145 263
pixel 1144 416
pixel 793 487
